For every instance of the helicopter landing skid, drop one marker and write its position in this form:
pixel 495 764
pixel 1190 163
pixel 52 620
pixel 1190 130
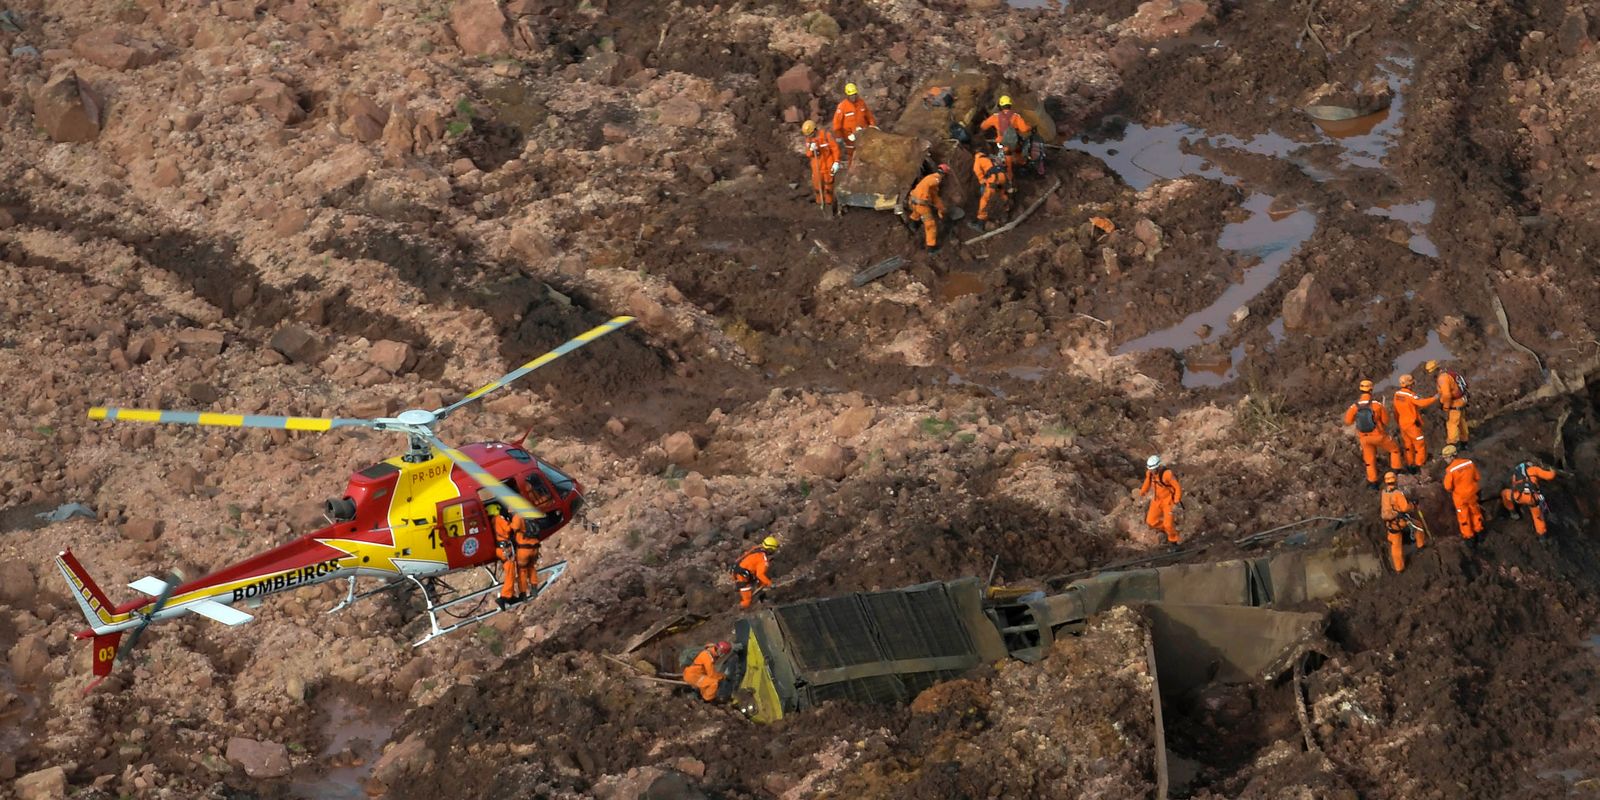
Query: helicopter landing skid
pixel 547 576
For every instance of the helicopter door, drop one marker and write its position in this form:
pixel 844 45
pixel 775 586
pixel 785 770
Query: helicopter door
pixel 465 535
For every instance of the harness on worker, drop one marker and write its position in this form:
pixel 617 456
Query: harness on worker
pixel 1366 420
pixel 740 574
pixel 1007 131
pixel 1461 383
pixel 1523 483
pixel 997 166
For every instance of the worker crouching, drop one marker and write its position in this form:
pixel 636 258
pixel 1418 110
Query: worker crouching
pixel 1526 491
pixel 927 206
pixel 702 675
pixel 1399 517
pixel 994 178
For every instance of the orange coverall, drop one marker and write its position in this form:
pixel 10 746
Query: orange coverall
pixel 1168 493
pixel 1461 481
pixel 928 206
pixel 519 557
pixel 1378 437
pixel 1001 121
pixel 1397 511
pixel 823 151
pixel 851 116
pixel 1528 494
pixel 754 562
pixel 703 674
pixel 995 178
pixel 1408 412
pixel 1450 399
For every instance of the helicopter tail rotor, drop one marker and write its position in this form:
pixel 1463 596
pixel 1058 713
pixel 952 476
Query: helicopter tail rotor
pixel 169 586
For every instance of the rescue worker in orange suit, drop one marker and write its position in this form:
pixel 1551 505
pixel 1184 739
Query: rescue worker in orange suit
pixel 1408 413
pixel 750 573
pixel 519 557
pixel 1525 491
pixel 1167 495
pixel 1010 131
pixel 1399 516
pixel 1452 398
pixel 1461 481
pixel 994 175
pixel 927 206
pixel 702 675
pixel 1371 421
pixel 823 150
pixel 852 115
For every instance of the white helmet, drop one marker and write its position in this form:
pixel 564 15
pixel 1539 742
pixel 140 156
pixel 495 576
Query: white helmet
pixel 1152 462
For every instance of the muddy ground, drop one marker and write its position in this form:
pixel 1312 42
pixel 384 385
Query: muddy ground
pixel 481 182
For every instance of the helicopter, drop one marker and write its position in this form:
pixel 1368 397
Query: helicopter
pixel 408 520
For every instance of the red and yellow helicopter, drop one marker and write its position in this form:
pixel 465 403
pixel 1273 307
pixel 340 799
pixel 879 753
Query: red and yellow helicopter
pixel 408 520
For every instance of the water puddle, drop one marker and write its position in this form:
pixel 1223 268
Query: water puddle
pixel 958 284
pixel 1143 155
pixel 1407 362
pixel 1416 216
pixel 356 735
pixel 1366 140
pixel 1034 4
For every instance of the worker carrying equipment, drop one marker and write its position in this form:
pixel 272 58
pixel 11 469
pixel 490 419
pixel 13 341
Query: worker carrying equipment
pixel 927 206
pixel 1399 516
pixel 994 175
pixel 852 115
pixel 1010 131
pixel 519 555
pixel 1408 413
pixel 1452 398
pixel 1168 494
pixel 750 572
pixel 1461 481
pixel 702 674
pixel 1525 491
pixel 1371 421
pixel 823 150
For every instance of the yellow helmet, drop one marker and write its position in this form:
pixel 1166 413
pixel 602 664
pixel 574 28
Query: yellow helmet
pixel 1005 101
pixel 1431 366
pixel 808 127
pixel 1406 380
pixel 769 544
pixel 1389 478
pixel 1448 451
pixel 1366 386
pixel 849 90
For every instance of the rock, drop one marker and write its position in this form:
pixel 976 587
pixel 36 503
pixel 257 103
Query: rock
pixel 259 759
pixel 1308 306
pixel 203 393
pixel 410 757
pixel 1573 33
pixel 616 427
pixel 479 27
pixel 394 357
pixel 799 79
pixel 531 244
pixel 609 68
pixel 793 115
pixel 693 767
pixel 652 315
pixel 1239 315
pixel 277 100
pixel 66 110
pixel 141 530
pixel 114 49
pixel 166 174
pixel 673 786
pixel 827 461
pixel 186 479
pixel 297 344
pixel 46 784
pixel 680 447
pixel 1208 358
pixel 820 24
pixel 852 422
pixel 364 119
pixel 1148 233
pixel 29 656
pixel 290 221
pixel 1162 19
pixel 679 112
pixel 694 485
pixel 16 582
pixel 199 342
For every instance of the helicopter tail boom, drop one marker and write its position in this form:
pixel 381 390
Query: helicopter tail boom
pixel 96 607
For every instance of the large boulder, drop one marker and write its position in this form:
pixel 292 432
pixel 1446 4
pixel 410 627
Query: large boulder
pixel 46 784
pixel 1308 306
pixel 114 49
pixel 277 100
pixel 799 79
pixel 364 119
pixel 259 759
pixel 297 344
pixel 827 461
pixel 480 27
pixel 680 447
pixel 67 110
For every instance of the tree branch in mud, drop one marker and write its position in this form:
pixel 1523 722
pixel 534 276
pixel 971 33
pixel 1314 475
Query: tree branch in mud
pixel 1020 217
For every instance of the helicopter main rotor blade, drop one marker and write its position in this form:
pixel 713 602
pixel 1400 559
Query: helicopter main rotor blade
pixel 576 342
pixel 516 502
pixel 229 420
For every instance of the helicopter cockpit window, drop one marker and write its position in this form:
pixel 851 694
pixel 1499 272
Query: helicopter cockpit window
pixel 519 454
pixel 562 483
pixel 536 491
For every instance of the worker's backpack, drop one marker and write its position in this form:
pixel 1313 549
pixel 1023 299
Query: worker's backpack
pixel 1366 421
pixel 687 655
pixel 1461 383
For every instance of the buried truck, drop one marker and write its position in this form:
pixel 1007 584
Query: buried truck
pixel 1206 627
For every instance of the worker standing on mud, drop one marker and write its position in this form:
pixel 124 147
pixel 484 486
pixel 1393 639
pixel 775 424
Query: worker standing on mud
pixel 1371 421
pixel 703 675
pixel 927 206
pixel 1452 398
pixel 823 150
pixel 1168 494
pixel 1525 491
pixel 1399 516
pixel 1010 131
pixel 852 115
pixel 750 572
pixel 1461 481
pixel 519 556
pixel 995 177
pixel 1408 413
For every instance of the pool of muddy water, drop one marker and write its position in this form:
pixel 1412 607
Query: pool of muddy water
pixel 356 734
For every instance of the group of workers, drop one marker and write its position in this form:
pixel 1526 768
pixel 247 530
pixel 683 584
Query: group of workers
pixel 831 151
